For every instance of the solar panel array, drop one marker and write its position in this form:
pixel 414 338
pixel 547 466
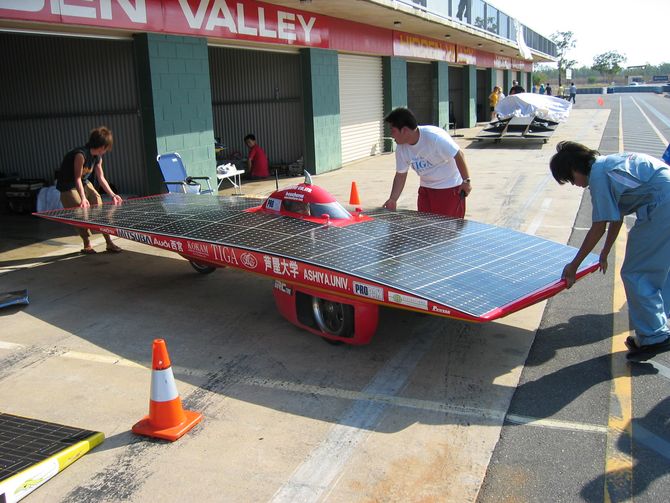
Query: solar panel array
pixel 467 265
pixel 24 442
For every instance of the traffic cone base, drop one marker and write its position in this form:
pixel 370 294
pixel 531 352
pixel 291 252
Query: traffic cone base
pixel 146 428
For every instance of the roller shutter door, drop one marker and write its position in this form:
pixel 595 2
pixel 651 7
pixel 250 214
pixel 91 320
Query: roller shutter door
pixel 57 90
pixel 361 106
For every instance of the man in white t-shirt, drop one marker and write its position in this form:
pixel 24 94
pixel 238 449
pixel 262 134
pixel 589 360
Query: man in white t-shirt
pixel 436 158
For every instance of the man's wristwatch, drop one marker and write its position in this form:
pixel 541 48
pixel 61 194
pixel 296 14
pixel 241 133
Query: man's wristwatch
pixel 466 180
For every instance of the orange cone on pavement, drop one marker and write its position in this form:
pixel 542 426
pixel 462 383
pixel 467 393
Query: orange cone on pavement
pixel 354 200
pixel 167 419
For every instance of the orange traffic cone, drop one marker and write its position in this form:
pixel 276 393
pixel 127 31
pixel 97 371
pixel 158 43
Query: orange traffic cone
pixel 167 419
pixel 354 200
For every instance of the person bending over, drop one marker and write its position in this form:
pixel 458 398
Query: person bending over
pixel 436 158
pixel 73 181
pixel 622 184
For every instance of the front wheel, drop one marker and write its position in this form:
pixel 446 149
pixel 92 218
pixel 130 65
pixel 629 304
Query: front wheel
pixel 333 318
pixel 202 268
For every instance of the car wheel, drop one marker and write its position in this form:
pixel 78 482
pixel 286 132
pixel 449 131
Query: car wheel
pixel 333 318
pixel 202 268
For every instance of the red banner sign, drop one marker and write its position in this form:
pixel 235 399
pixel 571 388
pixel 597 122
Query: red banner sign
pixel 502 62
pixel 415 46
pixel 241 19
pixel 466 55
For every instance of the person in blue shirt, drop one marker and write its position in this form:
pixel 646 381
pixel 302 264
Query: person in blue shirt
pixel 622 184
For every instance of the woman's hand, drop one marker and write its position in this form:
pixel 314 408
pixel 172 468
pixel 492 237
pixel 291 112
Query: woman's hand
pixel 603 263
pixel 569 274
pixel 116 199
pixel 84 203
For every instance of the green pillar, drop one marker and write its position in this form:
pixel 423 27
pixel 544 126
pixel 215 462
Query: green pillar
pixel 507 84
pixel 470 95
pixel 176 104
pixel 321 100
pixel 492 79
pixel 394 76
pixel 441 87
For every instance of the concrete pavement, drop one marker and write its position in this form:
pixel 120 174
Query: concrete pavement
pixel 414 416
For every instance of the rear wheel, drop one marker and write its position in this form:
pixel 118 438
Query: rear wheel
pixel 202 268
pixel 333 318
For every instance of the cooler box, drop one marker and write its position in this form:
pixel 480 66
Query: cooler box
pixel 22 195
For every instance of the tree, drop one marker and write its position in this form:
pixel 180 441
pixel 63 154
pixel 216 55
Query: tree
pixel 564 41
pixel 539 78
pixel 608 63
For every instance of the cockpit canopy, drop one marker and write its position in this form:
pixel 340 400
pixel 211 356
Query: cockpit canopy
pixel 309 202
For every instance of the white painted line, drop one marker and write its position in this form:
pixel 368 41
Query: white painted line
pixel 662 369
pixel 537 221
pixel 108 359
pixel 323 466
pixel 665 120
pixel 10 345
pixel 378 397
pixel 654 128
pixel 556 424
pixel 650 440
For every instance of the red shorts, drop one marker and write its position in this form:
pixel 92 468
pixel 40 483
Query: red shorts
pixel 446 202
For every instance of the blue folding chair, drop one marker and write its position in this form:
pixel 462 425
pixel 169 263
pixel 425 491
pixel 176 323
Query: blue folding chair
pixel 175 177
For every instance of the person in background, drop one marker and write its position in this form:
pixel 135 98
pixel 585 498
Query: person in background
pixel 534 88
pixel 542 89
pixel 621 184
pixel 573 92
pixel 436 158
pixel 257 161
pixel 75 188
pixel 516 88
pixel 494 97
pixel 547 89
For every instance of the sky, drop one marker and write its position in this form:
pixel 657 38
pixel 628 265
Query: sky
pixel 639 29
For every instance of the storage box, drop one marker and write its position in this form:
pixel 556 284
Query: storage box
pixel 22 195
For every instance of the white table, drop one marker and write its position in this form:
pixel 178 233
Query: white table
pixel 233 175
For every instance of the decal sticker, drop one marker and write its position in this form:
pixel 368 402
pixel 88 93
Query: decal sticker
pixel 441 310
pixel 283 287
pixel 195 248
pixel 281 266
pixel 134 236
pixel 273 204
pixel 370 291
pixel 407 300
pixel 248 260
pixel 294 196
pixel 325 279
pixel 169 244
pixel 225 254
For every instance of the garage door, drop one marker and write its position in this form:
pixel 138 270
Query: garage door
pixel 58 89
pixel 361 106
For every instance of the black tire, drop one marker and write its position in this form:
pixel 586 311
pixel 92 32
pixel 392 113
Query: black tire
pixel 333 318
pixel 202 268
